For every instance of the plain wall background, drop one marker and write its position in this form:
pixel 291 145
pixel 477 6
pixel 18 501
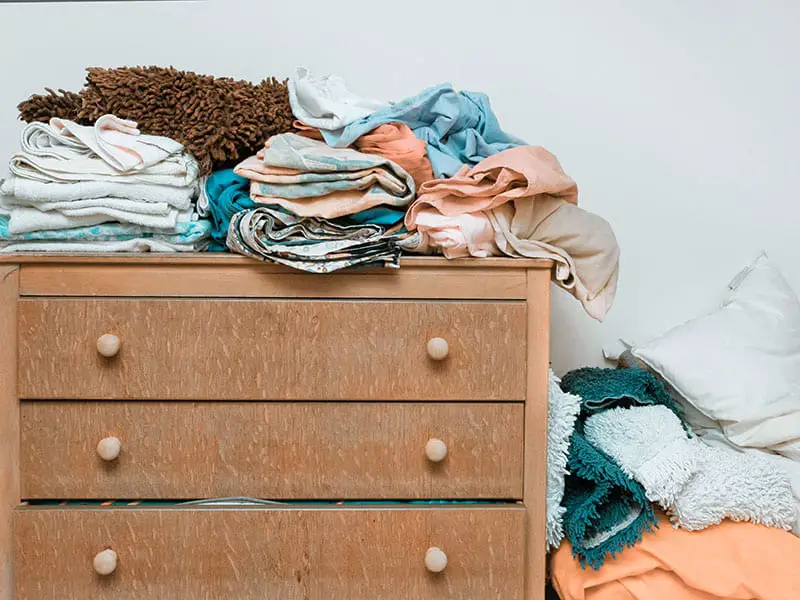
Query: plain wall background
pixel 677 119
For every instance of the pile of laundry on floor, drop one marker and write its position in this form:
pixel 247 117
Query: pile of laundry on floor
pixel 99 188
pixel 640 507
pixel 333 179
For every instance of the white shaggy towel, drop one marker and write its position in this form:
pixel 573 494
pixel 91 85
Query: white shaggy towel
pixel 563 410
pixel 697 485
pixel 32 193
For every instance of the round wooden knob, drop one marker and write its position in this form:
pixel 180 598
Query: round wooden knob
pixel 435 450
pixel 105 562
pixel 438 348
pixel 108 345
pixel 108 448
pixel 435 560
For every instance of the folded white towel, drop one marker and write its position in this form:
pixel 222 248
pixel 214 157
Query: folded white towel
pixel 33 193
pixel 697 485
pixel 325 102
pixel 97 205
pixel 116 141
pixel 135 245
pixel 24 219
pixel 179 170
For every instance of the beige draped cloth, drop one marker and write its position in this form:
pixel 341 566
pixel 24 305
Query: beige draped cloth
pixel 521 204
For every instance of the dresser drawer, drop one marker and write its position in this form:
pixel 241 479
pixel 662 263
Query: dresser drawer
pixel 271 450
pixel 291 554
pixel 271 350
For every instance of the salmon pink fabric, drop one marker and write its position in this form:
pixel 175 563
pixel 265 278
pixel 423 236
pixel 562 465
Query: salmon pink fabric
pixel 394 141
pixel 522 172
pixel 729 561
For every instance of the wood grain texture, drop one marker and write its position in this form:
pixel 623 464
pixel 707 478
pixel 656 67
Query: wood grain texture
pixel 271 350
pixel 291 554
pixel 271 450
pixel 535 478
pixel 9 424
pixel 214 258
pixel 253 280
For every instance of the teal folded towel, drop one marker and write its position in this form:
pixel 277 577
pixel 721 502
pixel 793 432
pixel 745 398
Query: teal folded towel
pixel 605 510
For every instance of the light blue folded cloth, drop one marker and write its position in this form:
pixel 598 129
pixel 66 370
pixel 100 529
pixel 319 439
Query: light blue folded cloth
pixel 458 127
pixel 184 233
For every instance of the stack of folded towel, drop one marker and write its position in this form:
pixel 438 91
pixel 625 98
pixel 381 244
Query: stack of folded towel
pixel 99 188
pixel 322 208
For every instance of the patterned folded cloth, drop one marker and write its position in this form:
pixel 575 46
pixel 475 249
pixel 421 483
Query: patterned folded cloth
pixel 188 236
pixel 311 179
pixel 311 244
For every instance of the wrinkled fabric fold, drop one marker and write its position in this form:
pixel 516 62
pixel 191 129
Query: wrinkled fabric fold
pixel 394 141
pixel 530 204
pixel 311 179
pixel 459 128
pixel 312 244
pixel 325 102
pixel 729 561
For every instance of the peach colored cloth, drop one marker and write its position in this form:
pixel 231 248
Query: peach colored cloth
pixel 522 172
pixel 311 179
pixel 729 561
pixel 530 203
pixel 394 141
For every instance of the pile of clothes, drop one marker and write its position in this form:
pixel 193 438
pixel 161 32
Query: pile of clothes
pixel 337 180
pixel 636 486
pixel 99 188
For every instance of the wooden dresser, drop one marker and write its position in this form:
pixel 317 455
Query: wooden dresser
pixel 349 399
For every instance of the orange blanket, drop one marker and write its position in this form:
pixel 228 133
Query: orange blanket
pixel 730 561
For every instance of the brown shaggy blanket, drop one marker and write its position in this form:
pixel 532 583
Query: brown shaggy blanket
pixel 218 119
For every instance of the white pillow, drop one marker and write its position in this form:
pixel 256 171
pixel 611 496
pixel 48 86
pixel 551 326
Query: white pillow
pixel 740 364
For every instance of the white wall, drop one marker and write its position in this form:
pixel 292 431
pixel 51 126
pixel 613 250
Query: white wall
pixel 677 119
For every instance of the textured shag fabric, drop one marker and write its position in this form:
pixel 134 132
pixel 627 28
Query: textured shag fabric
pixel 43 107
pixel 605 510
pixel 218 119
pixel 563 410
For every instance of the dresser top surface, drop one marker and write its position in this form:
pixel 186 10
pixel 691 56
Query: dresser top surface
pixel 221 259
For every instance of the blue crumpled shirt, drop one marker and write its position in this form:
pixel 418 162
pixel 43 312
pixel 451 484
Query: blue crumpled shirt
pixel 458 127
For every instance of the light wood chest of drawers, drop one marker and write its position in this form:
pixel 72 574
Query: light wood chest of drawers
pixel 351 399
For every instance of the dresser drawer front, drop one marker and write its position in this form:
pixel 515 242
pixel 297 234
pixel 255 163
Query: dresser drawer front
pixel 291 554
pixel 272 450
pixel 271 350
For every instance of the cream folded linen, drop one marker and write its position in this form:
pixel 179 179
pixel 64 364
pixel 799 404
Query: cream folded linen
pixel 179 170
pixel 118 142
pixel 28 192
pixel 24 219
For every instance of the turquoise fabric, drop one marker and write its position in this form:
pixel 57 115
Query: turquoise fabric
pixel 606 511
pixel 228 193
pixel 458 127
pixel 184 233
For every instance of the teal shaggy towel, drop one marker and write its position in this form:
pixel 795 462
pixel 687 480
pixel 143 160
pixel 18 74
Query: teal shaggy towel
pixel 606 511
